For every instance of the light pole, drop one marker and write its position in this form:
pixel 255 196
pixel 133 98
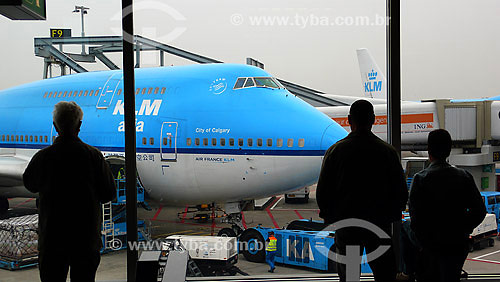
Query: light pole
pixel 83 11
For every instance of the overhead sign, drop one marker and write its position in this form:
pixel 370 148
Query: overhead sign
pixel 23 9
pixel 60 32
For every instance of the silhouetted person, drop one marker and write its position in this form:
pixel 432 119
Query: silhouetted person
pixel 362 178
pixel 445 206
pixel 72 179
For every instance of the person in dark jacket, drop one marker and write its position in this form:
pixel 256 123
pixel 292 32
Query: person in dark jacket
pixel 73 180
pixel 439 190
pixel 362 178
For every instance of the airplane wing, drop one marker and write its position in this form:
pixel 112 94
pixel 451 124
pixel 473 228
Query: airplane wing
pixel 11 170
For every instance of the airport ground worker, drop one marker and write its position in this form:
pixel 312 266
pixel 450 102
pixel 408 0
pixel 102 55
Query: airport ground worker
pixel 73 180
pixel 442 189
pixel 362 179
pixel 121 173
pixel 271 249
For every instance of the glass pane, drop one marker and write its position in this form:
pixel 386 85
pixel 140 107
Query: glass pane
pixel 301 142
pixel 239 83
pixel 279 142
pixel 249 82
pixel 265 82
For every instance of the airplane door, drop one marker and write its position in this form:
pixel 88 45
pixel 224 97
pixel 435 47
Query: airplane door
pixel 168 144
pixel 108 90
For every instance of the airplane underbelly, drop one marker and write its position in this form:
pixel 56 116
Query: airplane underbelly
pixel 225 178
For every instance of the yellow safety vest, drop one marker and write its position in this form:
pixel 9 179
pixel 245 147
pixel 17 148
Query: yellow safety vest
pixel 272 245
pixel 121 173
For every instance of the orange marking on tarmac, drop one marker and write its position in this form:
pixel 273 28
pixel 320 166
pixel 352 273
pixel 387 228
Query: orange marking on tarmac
pixel 298 214
pixel 184 215
pixel 157 213
pixel 23 203
pixel 382 120
pixel 243 220
pixel 272 218
pixel 486 261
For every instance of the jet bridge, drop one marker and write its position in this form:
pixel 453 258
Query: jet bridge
pixel 100 45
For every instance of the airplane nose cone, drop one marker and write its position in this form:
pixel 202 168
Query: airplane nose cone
pixel 332 134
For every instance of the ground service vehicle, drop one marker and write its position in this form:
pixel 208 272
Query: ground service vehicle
pixel 295 247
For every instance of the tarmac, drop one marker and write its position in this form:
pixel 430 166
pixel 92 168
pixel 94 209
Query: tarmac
pixel 164 221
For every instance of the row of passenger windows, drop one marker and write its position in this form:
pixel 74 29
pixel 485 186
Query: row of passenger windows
pixel 241 142
pixel 168 141
pixel 151 90
pixel 89 93
pixel 76 93
pixel 25 138
pixel 231 142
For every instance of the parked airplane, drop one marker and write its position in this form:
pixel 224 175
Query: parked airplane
pixel 205 133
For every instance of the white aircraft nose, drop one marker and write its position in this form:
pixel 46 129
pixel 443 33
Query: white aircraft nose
pixel 332 134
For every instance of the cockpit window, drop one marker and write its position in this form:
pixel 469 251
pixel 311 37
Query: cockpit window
pixel 239 83
pixel 246 82
pixel 249 82
pixel 265 82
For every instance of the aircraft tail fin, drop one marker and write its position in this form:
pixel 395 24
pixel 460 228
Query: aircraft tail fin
pixel 373 79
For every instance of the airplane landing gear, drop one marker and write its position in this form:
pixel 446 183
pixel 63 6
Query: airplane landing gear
pixel 237 227
pixel 234 217
pixel 4 205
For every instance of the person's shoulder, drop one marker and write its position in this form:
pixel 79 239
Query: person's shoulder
pixel 44 151
pixel 461 172
pixel 339 144
pixel 384 145
pixel 92 149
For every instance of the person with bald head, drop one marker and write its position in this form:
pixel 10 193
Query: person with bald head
pixel 362 179
pixel 72 180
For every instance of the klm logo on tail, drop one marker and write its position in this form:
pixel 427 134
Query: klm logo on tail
pixel 372 85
